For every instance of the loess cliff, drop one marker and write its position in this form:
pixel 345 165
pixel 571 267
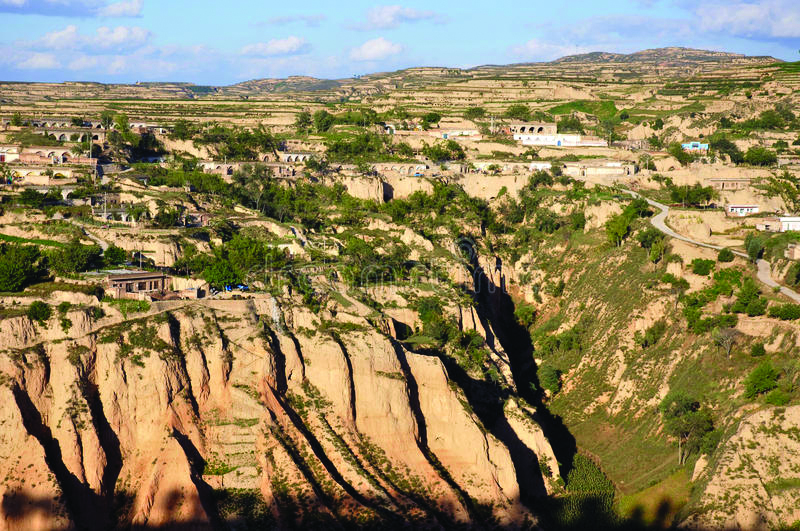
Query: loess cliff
pixel 252 414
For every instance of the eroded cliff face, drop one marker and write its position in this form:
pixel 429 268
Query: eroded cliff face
pixel 218 413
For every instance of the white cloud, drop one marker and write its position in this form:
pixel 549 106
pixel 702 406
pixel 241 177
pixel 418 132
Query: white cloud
pixel 384 17
pixel 118 65
pixel 767 18
pixel 375 50
pixel 276 47
pixel 538 50
pixel 83 62
pixel 312 21
pixel 39 61
pixel 129 8
pixel 119 38
pixel 73 8
pixel 61 39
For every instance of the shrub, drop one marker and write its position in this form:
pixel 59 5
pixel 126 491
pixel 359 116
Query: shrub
pixel 39 312
pixel 758 350
pixel 525 314
pixel 764 378
pixel 18 266
pixel 777 397
pixel 759 156
pixel 550 378
pixel 702 267
pixel 725 255
pixel 754 244
pixel 652 334
pixel 115 255
pixel 785 312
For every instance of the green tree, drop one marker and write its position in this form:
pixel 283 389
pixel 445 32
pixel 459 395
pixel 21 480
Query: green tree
pixel 676 150
pixel 786 186
pixel 474 113
pixel 762 379
pixel 760 156
pixel 323 121
pixel 39 312
pixel 166 218
pixel 549 378
pixel 518 111
pixel 32 198
pixel 303 122
pixel 221 273
pixel 75 258
pixel 16 120
pixel 107 119
pixel 19 266
pixel 725 255
pixel 115 255
pixel 686 421
pixel 754 245
pixel 617 229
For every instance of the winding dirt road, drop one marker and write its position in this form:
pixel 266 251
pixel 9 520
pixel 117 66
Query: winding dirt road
pixel 764 268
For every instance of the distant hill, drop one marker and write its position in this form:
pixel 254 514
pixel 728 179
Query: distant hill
pixel 672 56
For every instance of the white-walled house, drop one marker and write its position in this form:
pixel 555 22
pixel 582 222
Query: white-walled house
pixel 741 210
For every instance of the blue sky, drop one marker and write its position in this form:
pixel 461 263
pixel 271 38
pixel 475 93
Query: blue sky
pixel 213 42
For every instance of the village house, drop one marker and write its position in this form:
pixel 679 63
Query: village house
pixel 559 140
pixel 598 168
pixel 531 128
pixel 729 183
pixel 9 153
pixel 52 155
pixel 741 210
pixel 780 224
pixel 695 147
pixel 792 252
pixel 136 284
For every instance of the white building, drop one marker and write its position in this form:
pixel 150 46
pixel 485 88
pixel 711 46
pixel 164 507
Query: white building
pixel 741 210
pixel 789 223
pixel 540 166
pixel 558 140
pixel 9 153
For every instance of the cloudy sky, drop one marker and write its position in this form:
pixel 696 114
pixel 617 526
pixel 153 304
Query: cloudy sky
pixel 213 42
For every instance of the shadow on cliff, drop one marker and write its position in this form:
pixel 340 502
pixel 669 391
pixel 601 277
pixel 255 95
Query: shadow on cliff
pixel 246 512
pixel 496 307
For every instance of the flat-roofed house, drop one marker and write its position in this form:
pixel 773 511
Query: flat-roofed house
pixel 741 210
pixel 137 284
pixel 729 183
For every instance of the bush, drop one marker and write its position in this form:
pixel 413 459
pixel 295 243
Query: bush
pixel 777 397
pixel 702 267
pixel 785 312
pixel 19 266
pixel 725 255
pixel 652 335
pixel 758 350
pixel 518 111
pixel 115 255
pixel 762 379
pixel 39 312
pixel 75 258
pixel 676 150
pixel 473 113
pixel 759 156
pixel 525 314
pixel 550 378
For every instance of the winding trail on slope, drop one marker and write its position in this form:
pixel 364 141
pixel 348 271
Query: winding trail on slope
pixel 102 243
pixel 659 221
